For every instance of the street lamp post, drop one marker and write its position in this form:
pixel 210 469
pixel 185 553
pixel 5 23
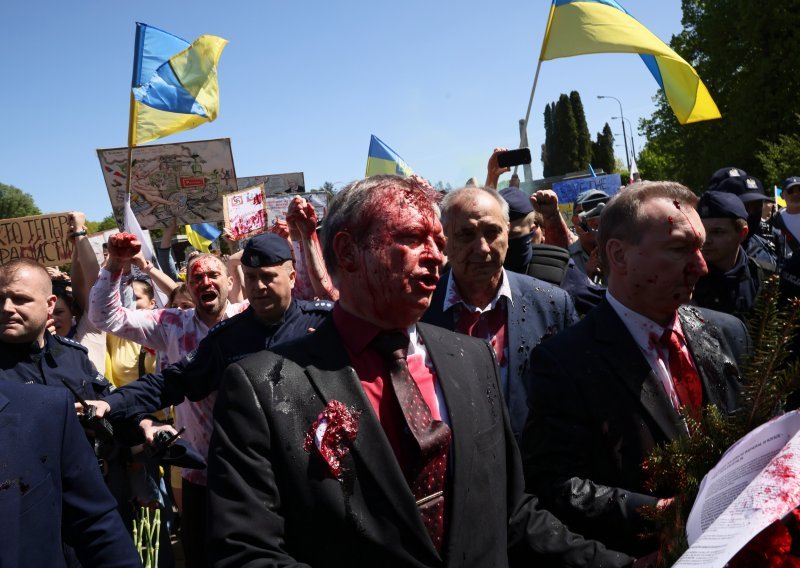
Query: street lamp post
pixel 624 135
pixel 633 146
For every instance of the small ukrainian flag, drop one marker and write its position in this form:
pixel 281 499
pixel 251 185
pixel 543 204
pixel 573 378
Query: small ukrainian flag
pixel 383 160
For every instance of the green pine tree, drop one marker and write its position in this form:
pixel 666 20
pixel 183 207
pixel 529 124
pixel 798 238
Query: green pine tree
pixel 583 141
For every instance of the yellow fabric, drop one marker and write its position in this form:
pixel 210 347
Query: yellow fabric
pixel 124 360
pixel 377 166
pixel 196 68
pixel 579 28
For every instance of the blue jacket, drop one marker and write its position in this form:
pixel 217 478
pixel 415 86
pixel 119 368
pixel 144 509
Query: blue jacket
pixel 51 486
pixel 537 311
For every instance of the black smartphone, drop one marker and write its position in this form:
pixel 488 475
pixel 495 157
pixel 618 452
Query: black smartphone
pixel 514 157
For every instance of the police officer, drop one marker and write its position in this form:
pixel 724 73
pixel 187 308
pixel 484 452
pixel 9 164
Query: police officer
pixel 733 278
pixel 527 254
pixel 28 352
pixel 272 318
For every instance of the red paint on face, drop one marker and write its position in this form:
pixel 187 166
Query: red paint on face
pixel 400 259
pixel 208 284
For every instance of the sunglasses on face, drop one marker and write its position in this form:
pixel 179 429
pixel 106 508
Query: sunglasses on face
pixel 792 189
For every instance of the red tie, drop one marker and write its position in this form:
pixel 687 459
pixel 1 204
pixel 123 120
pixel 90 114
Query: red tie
pixel 432 436
pixel 489 325
pixel 685 379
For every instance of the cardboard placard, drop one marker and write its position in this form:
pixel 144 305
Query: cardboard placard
pixel 277 205
pixel 276 184
pixel 245 212
pixel 43 238
pixel 183 181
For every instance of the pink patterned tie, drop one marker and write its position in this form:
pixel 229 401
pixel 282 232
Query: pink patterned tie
pixel 432 436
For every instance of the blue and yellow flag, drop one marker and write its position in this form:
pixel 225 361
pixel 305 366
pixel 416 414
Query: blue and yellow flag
pixel 201 235
pixel 579 27
pixel 174 83
pixel 383 160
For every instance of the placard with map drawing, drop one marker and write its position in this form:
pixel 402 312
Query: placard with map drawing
pixel 276 184
pixel 183 181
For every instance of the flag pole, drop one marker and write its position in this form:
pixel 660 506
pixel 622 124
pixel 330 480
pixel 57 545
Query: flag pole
pixel 523 126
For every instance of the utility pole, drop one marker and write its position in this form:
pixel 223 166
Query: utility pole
pixel 624 134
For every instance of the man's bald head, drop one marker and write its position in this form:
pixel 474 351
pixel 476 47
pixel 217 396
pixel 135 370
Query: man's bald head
pixel 26 302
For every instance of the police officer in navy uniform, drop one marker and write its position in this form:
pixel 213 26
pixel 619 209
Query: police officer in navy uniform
pixel 273 317
pixel 29 354
pixel 733 278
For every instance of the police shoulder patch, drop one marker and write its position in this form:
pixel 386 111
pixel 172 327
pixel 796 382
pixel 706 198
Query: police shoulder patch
pixel 318 306
pixel 71 343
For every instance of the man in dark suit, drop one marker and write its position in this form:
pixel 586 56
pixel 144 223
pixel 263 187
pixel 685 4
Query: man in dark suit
pixel 51 487
pixel 607 390
pixel 478 297
pixel 376 441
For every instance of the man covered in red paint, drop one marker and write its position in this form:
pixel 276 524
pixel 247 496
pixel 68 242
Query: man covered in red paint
pixel 377 440
pixel 610 388
pixel 175 333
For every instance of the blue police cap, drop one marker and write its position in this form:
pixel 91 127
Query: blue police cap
pixel 723 174
pixel 792 181
pixel 747 188
pixel 266 249
pixel 519 204
pixel 718 204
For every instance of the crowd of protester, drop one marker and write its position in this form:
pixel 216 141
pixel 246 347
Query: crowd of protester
pixel 521 443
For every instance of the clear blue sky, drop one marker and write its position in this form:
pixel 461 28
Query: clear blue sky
pixel 303 85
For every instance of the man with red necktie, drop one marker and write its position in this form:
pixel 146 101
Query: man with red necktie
pixel 610 388
pixel 377 440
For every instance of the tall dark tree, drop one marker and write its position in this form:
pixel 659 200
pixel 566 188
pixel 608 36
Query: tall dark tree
pixel 564 157
pixel 16 203
pixel 746 54
pixel 584 138
pixel 547 149
pixel 603 151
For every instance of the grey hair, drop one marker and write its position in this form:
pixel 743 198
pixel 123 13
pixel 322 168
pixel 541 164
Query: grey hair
pixel 351 210
pixel 452 199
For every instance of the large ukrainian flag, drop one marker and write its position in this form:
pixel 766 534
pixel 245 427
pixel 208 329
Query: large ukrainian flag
pixel 383 160
pixel 174 83
pixel 578 27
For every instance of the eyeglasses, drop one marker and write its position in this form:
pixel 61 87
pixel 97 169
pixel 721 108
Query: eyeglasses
pixel 791 189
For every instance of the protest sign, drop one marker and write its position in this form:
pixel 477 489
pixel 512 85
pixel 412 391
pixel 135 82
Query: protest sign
pixel 275 184
pixel 245 214
pixel 277 205
pixel 183 181
pixel 43 238
pixel 569 189
pixel 756 482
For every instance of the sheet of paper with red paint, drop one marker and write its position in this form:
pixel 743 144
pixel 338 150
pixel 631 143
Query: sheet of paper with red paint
pixel 755 483
pixel 245 214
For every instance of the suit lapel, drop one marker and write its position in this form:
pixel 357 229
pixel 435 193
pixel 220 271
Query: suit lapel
pixel 710 359
pixel 444 354
pixel 335 379
pixel 633 370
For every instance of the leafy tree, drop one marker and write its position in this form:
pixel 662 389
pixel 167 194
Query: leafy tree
pixel 16 203
pixel 108 223
pixel 745 53
pixel 782 158
pixel 327 187
pixel 583 140
pixel 603 151
pixel 547 147
pixel 564 158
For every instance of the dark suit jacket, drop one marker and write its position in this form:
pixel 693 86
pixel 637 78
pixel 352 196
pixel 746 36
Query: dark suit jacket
pixel 538 311
pixel 50 485
pixel 274 504
pixel 598 410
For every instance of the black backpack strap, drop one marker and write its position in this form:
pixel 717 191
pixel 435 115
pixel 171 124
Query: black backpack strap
pixel 549 263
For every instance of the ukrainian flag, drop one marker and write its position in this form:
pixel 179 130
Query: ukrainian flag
pixel 201 235
pixel 383 160
pixel 174 83
pixel 578 27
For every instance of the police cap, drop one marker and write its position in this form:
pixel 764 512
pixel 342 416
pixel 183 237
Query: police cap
pixel 723 174
pixel 266 249
pixel 519 204
pixel 718 204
